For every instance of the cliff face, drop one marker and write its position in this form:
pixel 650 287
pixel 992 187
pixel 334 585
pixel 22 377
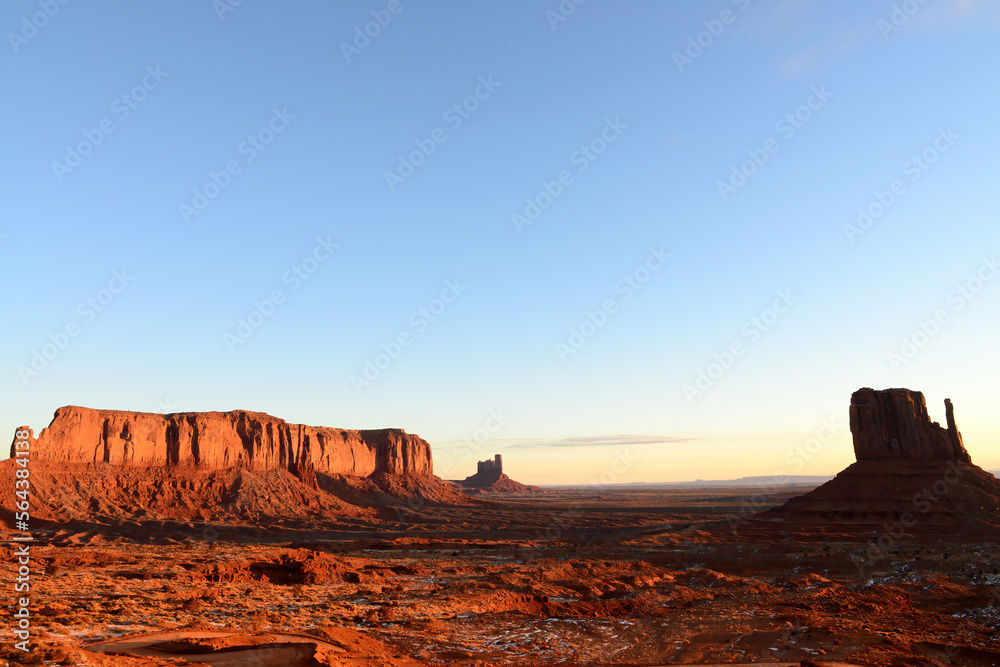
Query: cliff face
pixel 894 424
pixel 238 439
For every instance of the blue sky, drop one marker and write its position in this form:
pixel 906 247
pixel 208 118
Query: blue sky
pixel 592 208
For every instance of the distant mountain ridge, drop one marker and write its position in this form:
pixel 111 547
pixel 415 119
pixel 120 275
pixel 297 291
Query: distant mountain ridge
pixel 771 480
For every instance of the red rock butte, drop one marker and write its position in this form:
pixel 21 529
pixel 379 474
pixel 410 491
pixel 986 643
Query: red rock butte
pixel 239 439
pixel 490 478
pixel 894 424
pixel 912 476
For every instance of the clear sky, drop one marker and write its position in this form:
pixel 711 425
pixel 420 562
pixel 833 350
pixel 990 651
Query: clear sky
pixel 618 241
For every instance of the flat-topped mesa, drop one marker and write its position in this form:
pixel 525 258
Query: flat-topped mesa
pixel 894 424
pixel 237 439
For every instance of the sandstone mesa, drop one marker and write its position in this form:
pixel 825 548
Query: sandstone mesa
pixel 238 439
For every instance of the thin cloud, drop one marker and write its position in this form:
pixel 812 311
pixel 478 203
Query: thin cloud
pixel 678 138
pixel 849 37
pixel 598 441
pixel 799 63
pixel 961 8
pixel 964 9
pixel 956 11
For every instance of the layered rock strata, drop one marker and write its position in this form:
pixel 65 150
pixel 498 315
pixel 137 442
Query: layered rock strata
pixel 894 424
pixel 239 439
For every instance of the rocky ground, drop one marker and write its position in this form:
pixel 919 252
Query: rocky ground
pixel 566 578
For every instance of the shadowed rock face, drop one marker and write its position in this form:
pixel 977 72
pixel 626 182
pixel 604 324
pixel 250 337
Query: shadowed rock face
pixel 912 477
pixel 490 478
pixel 238 439
pixel 487 472
pixel 894 424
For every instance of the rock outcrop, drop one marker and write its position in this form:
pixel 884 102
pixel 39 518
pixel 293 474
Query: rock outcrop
pixel 490 477
pixel 894 424
pixel 487 472
pixel 252 441
pixel 912 478
pixel 113 468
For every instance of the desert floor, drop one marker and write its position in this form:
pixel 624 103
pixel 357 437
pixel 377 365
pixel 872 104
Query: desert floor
pixel 649 577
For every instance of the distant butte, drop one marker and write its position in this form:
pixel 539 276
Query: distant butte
pixel 490 477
